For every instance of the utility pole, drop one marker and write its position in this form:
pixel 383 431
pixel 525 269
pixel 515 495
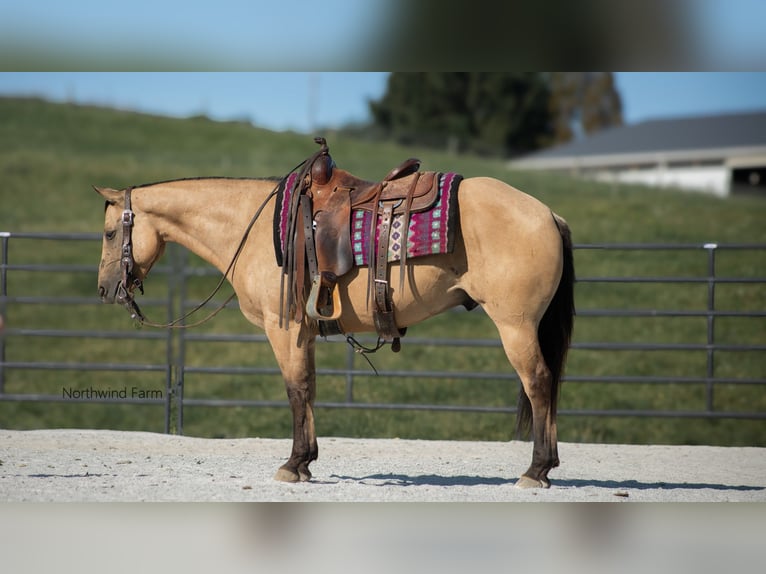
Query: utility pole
pixel 313 100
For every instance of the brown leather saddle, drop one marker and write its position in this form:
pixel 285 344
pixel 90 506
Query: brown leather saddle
pixel 321 208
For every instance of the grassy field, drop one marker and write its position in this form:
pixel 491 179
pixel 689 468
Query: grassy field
pixel 51 155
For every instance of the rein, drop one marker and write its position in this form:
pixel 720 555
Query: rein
pixel 127 263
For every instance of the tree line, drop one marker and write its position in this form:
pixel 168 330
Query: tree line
pixel 491 113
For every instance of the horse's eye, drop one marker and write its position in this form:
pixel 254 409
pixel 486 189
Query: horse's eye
pixel 110 234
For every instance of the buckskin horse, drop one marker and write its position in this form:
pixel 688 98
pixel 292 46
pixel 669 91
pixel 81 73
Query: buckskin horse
pixel 511 255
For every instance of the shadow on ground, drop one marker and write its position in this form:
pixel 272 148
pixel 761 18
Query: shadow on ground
pixel 463 480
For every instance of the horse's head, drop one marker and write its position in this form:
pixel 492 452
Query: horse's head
pixel 130 247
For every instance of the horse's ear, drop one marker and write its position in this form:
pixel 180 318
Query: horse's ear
pixel 111 195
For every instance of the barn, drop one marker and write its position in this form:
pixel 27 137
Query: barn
pixel 717 154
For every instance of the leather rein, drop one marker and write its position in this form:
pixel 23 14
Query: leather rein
pixel 130 279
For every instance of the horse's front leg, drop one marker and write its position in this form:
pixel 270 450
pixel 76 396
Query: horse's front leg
pixel 296 357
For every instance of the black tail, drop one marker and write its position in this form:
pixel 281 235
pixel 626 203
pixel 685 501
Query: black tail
pixel 554 332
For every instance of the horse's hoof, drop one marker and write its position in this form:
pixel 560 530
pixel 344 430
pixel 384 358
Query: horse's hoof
pixel 286 475
pixel 527 482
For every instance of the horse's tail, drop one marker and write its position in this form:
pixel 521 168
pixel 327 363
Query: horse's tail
pixel 554 332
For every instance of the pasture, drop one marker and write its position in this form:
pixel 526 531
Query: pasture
pixel 51 154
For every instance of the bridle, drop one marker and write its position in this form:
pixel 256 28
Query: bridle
pixel 127 263
pixel 130 279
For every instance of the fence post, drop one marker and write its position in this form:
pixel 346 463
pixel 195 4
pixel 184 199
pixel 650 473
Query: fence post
pixel 169 353
pixel 182 262
pixel 711 249
pixel 349 373
pixel 5 236
pixel 179 271
pixel 169 387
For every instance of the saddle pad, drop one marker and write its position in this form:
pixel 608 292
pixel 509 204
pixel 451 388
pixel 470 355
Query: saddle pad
pixel 281 215
pixel 431 232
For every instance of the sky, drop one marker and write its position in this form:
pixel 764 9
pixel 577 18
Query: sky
pixel 204 35
pixel 305 101
pixel 305 35
pixel 344 34
pixel 298 101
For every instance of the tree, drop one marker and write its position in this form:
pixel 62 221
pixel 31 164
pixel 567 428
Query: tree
pixel 496 113
pixel 507 113
pixel 582 103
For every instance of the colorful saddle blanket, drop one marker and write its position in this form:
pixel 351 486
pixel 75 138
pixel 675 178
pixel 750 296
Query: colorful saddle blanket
pixel 430 232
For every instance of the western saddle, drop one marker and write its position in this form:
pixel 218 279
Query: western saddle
pixel 319 237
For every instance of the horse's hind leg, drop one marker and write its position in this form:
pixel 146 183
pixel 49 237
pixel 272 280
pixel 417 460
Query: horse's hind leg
pixel 523 350
pixel 296 358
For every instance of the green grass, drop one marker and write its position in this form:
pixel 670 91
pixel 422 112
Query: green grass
pixel 51 155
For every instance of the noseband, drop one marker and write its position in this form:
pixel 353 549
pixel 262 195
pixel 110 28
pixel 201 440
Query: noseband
pixel 127 263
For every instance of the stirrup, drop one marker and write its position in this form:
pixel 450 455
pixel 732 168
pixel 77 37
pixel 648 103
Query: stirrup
pixel 324 281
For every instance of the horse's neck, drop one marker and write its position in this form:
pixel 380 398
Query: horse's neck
pixel 207 216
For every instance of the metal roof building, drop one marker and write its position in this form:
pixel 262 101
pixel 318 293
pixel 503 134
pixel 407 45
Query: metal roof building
pixel 721 154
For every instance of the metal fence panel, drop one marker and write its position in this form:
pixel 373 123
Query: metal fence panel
pixel 174 367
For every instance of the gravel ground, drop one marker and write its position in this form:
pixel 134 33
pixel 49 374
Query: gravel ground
pixel 100 465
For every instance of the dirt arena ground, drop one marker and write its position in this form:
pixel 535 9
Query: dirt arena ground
pixel 111 466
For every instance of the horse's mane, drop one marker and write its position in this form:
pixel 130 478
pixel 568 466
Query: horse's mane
pixel 272 178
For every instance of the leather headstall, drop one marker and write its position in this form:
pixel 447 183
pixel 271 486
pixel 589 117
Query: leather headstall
pixel 127 263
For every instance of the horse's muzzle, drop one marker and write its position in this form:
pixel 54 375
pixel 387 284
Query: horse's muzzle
pixel 102 293
pixel 111 294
